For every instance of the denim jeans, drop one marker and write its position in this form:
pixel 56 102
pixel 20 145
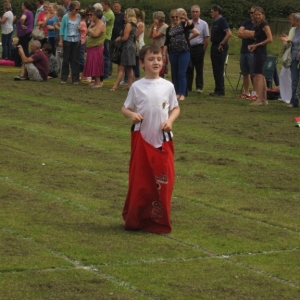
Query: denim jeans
pixel 179 62
pixel 6 45
pixel 71 52
pixel 295 72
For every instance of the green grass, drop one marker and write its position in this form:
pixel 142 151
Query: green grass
pixel 64 154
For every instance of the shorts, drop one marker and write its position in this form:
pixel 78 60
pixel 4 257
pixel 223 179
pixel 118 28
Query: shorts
pixel 246 63
pixel 33 72
pixel 259 61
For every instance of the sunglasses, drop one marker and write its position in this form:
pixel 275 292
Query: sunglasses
pixel 251 12
pixel 89 15
pixel 77 9
pixel 174 17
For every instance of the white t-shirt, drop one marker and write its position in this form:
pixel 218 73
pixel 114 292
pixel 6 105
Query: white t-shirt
pixel 7 26
pixel 152 99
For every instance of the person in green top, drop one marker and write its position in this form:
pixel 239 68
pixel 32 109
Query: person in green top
pixel 110 19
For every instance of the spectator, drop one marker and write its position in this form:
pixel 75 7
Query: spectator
pixel 49 22
pixel 246 57
pixel 35 67
pixel 177 46
pixel 127 39
pixel 118 26
pixel 220 34
pixel 110 19
pixel 198 46
pixel 294 37
pixel 41 19
pixel 70 41
pixel 39 9
pixel 67 4
pixel 83 31
pixel 94 66
pixel 52 62
pixel 25 27
pixel 158 34
pixel 7 31
pixel 262 37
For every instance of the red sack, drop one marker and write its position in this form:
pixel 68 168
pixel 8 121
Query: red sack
pixel 151 180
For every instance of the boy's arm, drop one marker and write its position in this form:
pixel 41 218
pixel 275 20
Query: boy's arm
pixel 174 113
pixel 135 117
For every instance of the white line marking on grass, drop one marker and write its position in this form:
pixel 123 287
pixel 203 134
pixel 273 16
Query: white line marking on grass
pixel 78 265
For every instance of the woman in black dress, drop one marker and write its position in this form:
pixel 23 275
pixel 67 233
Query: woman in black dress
pixel 262 37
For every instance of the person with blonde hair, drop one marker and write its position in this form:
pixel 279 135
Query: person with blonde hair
pixel 157 33
pixel 127 38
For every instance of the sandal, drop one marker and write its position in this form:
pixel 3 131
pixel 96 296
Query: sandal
pixel 181 98
pixel 126 88
pixel 63 82
pixel 113 89
pixel 94 86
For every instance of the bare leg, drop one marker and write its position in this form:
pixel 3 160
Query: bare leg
pixel 261 89
pixel 247 80
pixel 130 77
pixel 119 77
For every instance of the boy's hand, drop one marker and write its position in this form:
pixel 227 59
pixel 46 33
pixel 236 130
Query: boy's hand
pixel 136 118
pixel 167 126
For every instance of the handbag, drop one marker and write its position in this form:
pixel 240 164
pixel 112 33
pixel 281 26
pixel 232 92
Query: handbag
pixel 287 55
pixel 37 34
pixel 116 55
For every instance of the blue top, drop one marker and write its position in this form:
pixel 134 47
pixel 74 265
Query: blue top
pixel 248 25
pixel 51 32
pixel 295 44
pixel 218 30
pixel 64 29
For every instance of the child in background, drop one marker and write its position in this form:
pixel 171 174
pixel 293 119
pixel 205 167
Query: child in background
pixel 151 173
pixel 14 52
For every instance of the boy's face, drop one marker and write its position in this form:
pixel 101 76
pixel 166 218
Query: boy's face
pixel 152 64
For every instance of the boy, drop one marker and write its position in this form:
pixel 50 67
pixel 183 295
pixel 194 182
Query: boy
pixel 151 174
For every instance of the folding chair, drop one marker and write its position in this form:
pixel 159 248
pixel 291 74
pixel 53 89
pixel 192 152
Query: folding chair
pixel 238 83
pixel 269 69
pixel 225 74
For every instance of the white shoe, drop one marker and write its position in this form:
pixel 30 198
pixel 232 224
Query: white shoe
pixel 89 79
pixel 199 91
pixel 123 82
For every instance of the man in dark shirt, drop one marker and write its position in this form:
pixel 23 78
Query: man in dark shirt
pixel 34 67
pixel 246 57
pixel 118 26
pixel 220 34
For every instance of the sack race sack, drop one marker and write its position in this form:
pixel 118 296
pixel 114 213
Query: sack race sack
pixel 37 34
pixel 151 180
pixel 116 55
pixel 287 55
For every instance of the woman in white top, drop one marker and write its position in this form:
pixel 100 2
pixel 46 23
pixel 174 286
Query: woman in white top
pixel 7 31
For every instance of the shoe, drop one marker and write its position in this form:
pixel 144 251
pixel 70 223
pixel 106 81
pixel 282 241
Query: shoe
pixel 258 102
pixel 216 95
pixel 18 78
pixel 244 96
pixel 199 91
pixel 254 97
pixel 181 98
pixel 113 89
pixel 291 106
pixel 123 82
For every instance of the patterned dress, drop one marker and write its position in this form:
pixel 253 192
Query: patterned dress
pixel 129 48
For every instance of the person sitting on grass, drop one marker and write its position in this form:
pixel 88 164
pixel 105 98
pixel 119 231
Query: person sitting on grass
pixel 36 66
pixel 52 62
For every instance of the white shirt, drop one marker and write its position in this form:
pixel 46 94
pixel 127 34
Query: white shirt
pixel 7 26
pixel 152 99
pixel 202 27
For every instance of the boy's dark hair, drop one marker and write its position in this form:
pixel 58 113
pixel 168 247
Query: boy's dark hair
pixel 217 8
pixel 47 48
pixel 152 48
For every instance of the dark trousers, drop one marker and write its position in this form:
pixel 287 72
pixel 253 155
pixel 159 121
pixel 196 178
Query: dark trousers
pixel 6 45
pixel 106 58
pixel 24 42
pixel 52 42
pixel 218 59
pixel 196 62
pixel 71 52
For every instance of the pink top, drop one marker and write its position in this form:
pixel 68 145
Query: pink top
pixel 41 18
pixel 83 31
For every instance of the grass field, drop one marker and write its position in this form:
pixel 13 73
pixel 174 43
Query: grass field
pixel 64 153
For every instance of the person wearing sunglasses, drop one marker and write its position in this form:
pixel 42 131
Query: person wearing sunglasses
pixel 70 41
pixel 246 33
pixel 178 48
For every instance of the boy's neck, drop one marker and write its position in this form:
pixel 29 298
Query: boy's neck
pixel 151 76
